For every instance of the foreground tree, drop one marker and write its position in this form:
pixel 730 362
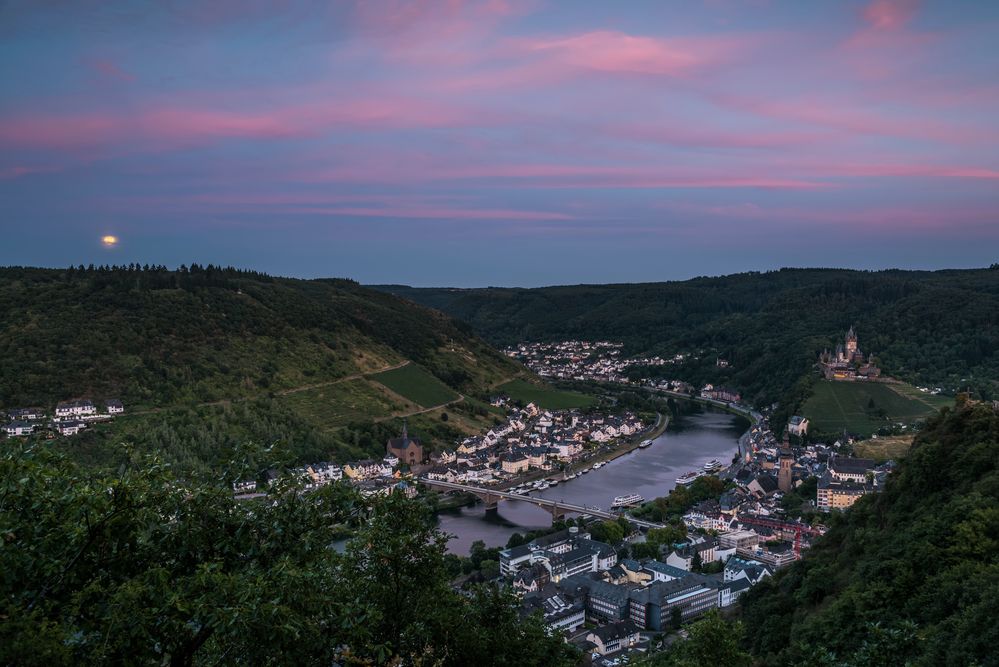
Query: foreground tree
pixel 711 641
pixel 138 568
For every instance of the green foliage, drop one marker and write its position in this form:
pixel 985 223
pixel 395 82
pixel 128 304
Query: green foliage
pixel 907 576
pixel 608 531
pixel 672 507
pixel 140 568
pixel 546 397
pixel 925 327
pixel 798 502
pixel 711 641
pixel 205 358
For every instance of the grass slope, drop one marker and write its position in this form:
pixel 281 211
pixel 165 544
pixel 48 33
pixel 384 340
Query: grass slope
pixel 416 384
pixel 544 396
pixel 835 406
pixel 884 448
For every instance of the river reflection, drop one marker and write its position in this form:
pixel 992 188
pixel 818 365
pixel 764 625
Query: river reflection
pixel 690 443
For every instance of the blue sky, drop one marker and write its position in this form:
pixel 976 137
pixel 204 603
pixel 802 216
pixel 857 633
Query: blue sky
pixel 501 142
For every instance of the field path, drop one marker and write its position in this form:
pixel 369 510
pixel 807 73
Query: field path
pixel 396 415
pixel 346 378
pixel 283 392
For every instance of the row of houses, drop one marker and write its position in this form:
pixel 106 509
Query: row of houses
pixel 69 417
pixel 599 361
pixel 529 439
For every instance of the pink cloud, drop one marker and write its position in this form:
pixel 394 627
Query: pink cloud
pixel 554 176
pixel 611 51
pixel 18 171
pixel 440 213
pixel 889 14
pixel 869 220
pixel 110 70
pixel 169 126
pixel 844 115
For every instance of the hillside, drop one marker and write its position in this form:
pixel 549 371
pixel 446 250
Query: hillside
pixel 865 407
pixel 204 358
pixel 938 328
pixel 908 576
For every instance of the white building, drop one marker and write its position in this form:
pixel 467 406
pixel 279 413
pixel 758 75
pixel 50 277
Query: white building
pixel 19 428
pixel 71 427
pixel 78 408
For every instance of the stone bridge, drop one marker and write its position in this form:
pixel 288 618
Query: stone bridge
pixel 557 508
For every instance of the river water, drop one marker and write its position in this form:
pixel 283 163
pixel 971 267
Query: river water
pixel 691 441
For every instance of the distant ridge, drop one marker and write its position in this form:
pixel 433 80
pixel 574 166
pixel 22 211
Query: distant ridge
pixel 925 327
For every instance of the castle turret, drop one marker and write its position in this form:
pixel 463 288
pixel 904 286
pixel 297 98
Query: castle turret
pixel 851 342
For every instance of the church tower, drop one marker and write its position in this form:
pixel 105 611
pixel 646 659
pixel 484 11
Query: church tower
pixel 784 474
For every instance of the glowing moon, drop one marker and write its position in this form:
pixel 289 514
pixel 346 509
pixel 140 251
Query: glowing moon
pixel 109 241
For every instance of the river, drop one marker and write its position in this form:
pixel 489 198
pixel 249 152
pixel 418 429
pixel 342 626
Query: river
pixel 691 441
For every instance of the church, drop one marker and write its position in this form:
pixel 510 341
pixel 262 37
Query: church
pixel 848 362
pixel 407 450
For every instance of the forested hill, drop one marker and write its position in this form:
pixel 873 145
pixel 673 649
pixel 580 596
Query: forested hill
pixel 938 328
pixel 154 337
pixel 909 576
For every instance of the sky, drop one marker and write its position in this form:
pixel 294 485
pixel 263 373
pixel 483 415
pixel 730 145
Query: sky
pixel 503 142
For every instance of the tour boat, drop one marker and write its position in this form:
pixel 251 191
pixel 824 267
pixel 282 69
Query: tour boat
pixel 687 478
pixel 543 486
pixel 713 465
pixel 645 443
pixel 627 501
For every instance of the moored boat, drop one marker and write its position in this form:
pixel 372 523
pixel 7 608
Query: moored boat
pixel 687 478
pixel 627 501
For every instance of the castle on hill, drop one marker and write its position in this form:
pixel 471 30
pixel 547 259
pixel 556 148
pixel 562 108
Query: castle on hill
pixel 848 362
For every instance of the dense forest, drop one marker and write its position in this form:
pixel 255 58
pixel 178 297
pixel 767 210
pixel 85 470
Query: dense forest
pixel 92 573
pixel 203 358
pixel 909 576
pixel 156 337
pixel 938 328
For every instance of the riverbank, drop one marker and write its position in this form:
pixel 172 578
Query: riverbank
pixel 650 472
pixel 629 445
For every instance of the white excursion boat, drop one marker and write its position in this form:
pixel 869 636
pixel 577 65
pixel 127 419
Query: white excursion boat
pixel 713 465
pixel 645 443
pixel 627 501
pixel 544 485
pixel 687 478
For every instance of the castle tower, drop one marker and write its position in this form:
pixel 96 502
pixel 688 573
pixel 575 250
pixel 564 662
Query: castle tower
pixel 851 343
pixel 784 474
